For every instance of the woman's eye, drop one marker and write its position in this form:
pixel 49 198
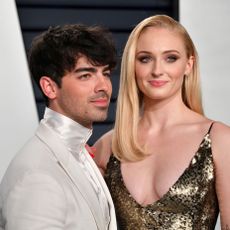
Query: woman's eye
pixel 144 59
pixel 171 59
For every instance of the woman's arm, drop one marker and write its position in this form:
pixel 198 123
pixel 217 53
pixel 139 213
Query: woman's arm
pixel 220 136
pixel 103 150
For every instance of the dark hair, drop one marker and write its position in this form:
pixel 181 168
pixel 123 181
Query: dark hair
pixel 55 52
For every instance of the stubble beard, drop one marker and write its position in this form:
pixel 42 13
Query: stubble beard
pixel 101 115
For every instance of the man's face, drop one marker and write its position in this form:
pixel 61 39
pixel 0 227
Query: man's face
pixel 85 93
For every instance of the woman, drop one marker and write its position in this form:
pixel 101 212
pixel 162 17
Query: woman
pixel 168 167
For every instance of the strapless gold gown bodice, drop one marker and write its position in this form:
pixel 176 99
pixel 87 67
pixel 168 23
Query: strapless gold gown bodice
pixel 190 204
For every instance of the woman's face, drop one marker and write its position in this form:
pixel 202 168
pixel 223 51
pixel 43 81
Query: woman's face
pixel 161 63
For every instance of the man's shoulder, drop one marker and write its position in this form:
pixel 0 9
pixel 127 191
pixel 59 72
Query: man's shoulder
pixel 30 154
pixel 34 155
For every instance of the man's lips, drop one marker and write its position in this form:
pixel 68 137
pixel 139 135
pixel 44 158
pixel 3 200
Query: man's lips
pixel 102 99
pixel 102 102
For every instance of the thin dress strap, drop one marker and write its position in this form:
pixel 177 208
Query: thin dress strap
pixel 209 130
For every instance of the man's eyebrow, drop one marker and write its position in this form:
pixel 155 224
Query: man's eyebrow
pixel 107 68
pixel 85 69
pixel 90 69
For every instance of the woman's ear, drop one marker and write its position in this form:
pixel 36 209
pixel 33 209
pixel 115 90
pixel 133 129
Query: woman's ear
pixel 49 87
pixel 189 65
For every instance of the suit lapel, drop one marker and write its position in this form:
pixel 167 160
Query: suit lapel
pixel 113 224
pixel 69 165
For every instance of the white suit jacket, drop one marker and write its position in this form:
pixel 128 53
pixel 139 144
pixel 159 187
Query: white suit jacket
pixel 44 190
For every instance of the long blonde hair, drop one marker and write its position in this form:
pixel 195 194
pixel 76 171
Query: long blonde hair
pixel 125 145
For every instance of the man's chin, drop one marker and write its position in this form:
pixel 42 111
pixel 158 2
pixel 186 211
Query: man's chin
pixel 100 117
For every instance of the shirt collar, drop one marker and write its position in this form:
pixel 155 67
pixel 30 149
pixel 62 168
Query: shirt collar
pixel 73 134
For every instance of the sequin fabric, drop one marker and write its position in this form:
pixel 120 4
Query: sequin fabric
pixel 191 203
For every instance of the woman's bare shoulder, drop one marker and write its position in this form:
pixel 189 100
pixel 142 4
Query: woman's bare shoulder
pixel 220 136
pixel 103 150
pixel 220 132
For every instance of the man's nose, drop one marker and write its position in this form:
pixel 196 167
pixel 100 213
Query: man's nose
pixel 103 83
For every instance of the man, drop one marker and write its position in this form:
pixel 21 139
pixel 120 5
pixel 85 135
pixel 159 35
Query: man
pixel 53 183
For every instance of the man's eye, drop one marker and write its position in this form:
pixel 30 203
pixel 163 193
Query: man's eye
pixel 107 74
pixel 84 77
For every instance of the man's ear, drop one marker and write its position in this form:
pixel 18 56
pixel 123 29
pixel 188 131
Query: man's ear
pixel 49 87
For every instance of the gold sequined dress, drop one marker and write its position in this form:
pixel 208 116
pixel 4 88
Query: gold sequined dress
pixel 190 204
